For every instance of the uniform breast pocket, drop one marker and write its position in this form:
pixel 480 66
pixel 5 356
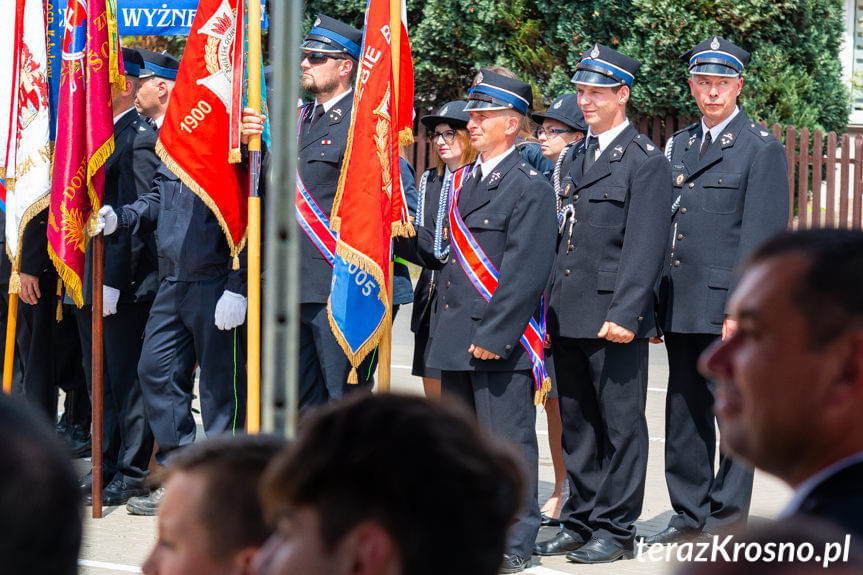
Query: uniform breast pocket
pixel 328 154
pixel 721 192
pixel 607 207
pixel 489 229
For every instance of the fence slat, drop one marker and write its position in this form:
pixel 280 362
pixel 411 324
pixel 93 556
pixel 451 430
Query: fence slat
pixel 858 182
pixel 845 154
pixel 830 212
pixel 817 166
pixel 803 180
pixel 790 136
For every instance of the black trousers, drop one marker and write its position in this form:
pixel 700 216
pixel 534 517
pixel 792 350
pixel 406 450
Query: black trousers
pixel 503 403
pixel 181 331
pixel 127 442
pixel 324 367
pixel 49 351
pixel 602 388
pixel 701 499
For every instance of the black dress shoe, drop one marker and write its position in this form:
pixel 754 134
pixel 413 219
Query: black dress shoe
pixel 147 505
pixel 670 535
pixel 561 543
pixel 546 521
pixel 119 492
pixel 599 550
pixel 86 484
pixel 79 441
pixel 512 563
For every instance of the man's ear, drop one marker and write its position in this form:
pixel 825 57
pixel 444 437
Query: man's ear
pixel 242 561
pixel 370 550
pixel 623 94
pixel 347 66
pixel 513 124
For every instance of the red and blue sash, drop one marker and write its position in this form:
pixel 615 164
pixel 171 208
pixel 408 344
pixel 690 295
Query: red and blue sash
pixel 310 216
pixel 484 277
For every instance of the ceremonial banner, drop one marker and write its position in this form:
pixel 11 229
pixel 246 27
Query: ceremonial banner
pixel 27 150
pixel 85 135
pixel 195 139
pixel 369 207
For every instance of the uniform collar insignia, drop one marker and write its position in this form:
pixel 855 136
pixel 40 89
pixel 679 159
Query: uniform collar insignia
pixel 495 176
pixel 726 139
pixel 691 140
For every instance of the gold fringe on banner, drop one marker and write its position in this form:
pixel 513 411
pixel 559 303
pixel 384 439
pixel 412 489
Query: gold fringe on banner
pixel 172 165
pixel 95 162
pixel 406 137
pixel 541 394
pixel 235 156
pixel 59 301
pixel 15 282
pixel 29 214
pixel 114 75
pixel 70 278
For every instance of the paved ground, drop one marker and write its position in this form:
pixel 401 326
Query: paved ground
pixel 118 543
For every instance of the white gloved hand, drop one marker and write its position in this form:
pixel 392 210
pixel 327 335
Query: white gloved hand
pixel 110 297
pixel 106 221
pixel 230 310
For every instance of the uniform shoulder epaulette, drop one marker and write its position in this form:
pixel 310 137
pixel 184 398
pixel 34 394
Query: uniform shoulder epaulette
pixel 691 126
pixel 759 130
pixel 645 143
pixel 528 169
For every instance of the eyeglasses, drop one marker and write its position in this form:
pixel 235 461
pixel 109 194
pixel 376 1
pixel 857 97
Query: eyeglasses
pixel 550 132
pixel 316 58
pixel 448 136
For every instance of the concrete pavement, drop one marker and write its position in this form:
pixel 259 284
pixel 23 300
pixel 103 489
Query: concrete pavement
pixel 118 543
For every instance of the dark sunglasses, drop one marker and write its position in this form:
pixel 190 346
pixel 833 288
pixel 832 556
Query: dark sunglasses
pixel 448 136
pixel 316 58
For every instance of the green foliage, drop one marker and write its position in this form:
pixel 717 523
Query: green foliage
pixel 793 77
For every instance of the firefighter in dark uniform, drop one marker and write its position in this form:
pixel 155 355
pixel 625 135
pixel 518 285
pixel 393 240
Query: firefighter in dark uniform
pixel 157 81
pixel 730 193
pixel 130 284
pixel 331 52
pixel 615 219
pixel 508 208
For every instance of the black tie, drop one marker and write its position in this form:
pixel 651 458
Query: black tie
pixel 590 154
pixel 319 111
pixel 704 145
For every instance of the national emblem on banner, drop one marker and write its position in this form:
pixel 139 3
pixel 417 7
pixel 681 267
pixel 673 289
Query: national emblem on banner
pixel 370 207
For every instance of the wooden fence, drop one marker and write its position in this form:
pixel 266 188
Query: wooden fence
pixel 825 184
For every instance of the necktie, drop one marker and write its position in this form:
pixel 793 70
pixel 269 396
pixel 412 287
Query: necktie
pixel 316 115
pixel 704 145
pixel 590 153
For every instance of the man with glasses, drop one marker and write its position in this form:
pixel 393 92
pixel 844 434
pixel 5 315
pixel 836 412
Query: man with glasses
pixel 330 55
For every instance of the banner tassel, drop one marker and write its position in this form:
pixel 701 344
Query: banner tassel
pixel 352 376
pixel 14 283
pixel 541 394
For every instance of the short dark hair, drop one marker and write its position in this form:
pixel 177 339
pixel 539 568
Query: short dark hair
pixel 444 491
pixel 233 467
pixel 830 292
pixel 40 511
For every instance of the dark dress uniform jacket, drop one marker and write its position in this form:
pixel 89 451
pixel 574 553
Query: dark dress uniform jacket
pixel 625 194
pixel 131 263
pixel 511 213
pixel 839 500
pixel 321 151
pixel 731 200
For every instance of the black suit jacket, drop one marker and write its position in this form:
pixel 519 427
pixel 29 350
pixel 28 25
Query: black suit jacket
pixel 511 213
pixel 619 234
pixel 839 499
pixel 321 151
pixel 130 263
pixel 731 200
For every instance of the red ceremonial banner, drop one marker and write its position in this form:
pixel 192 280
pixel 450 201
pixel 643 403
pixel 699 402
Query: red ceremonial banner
pixel 370 207
pixel 195 139
pixel 85 135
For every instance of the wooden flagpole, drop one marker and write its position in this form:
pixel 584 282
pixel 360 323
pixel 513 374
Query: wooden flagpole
pixel 253 355
pixel 98 259
pixel 8 360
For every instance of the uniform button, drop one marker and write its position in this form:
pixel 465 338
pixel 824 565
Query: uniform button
pixel 447 284
pixel 720 181
pixel 452 262
pixel 566 272
pixel 679 236
pixel 575 196
pixel 682 210
pixel 445 306
pixel 322 154
pixel 604 195
pixel 677 263
pixel 485 222
pixel 691 185
pixel 507 346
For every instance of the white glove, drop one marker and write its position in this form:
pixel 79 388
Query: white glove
pixel 230 310
pixel 110 297
pixel 106 221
